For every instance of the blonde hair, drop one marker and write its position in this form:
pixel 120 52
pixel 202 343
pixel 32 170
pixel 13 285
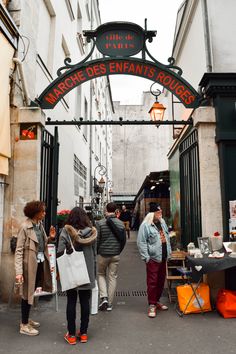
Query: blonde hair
pixel 149 218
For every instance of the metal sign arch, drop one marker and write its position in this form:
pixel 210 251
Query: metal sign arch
pixel 119 41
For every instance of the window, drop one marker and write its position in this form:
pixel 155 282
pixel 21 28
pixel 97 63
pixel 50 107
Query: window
pixel 79 36
pixel 80 41
pixel 65 47
pixel 70 9
pixel 85 127
pixel 81 202
pixel 46 34
pixel 78 103
pixel 87 11
pixel 80 176
pixel 76 184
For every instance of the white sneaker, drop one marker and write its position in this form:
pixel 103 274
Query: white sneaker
pixel 152 311
pixel 28 330
pixel 109 307
pixel 34 323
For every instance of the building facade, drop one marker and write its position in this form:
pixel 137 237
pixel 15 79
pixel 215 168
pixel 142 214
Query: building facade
pixel 204 34
pixel 39 161
pixel 137 150
pixel 202 158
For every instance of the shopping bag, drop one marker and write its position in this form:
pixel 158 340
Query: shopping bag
pixel 94 300
pixel 184 293
pixel 72 270
pixel 226 303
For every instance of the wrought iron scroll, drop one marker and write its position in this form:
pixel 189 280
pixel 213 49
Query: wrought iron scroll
pixel 67 61
pixel 171 60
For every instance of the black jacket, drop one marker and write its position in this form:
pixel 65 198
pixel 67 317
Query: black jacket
pixel 107 242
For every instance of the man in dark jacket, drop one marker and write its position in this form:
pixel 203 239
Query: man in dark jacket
pixel 126 217
pixel 110 242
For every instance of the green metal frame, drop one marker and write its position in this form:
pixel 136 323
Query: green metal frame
pixel 116 63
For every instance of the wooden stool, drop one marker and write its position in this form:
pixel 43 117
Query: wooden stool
pixel 177 260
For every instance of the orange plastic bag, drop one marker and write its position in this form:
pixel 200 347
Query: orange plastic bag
pixel 184 293
pixel 226 303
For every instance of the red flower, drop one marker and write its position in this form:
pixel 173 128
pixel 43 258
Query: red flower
pixel 64 212
pixel 216 233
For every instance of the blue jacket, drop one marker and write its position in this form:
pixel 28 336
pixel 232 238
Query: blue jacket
pixel 149 241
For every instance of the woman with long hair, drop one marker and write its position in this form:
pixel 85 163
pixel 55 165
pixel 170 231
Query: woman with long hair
pixel 79 231
pixel 32 261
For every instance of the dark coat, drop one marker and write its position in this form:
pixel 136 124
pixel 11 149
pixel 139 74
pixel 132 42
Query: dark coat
pixel 107 243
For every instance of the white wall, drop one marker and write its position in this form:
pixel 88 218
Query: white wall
pixel 52 31
pixel 190 50
pixel 138 149
pixel 223 34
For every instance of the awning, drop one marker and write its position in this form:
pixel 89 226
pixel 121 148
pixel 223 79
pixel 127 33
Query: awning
pixel 123 198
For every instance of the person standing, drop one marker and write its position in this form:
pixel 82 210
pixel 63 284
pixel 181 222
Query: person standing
pixel 126 217
pixel 32 261
pixel 79 231
pixel 153 243
pixel 108 249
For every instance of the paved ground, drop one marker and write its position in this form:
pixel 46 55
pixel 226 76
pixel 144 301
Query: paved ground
pixel 126 329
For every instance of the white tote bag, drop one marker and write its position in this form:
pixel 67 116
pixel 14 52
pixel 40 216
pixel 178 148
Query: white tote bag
pixel 72 269
pixel 94 300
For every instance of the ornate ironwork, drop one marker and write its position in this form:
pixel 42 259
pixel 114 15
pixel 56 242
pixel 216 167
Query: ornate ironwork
pixel 67 61
pixel 118 42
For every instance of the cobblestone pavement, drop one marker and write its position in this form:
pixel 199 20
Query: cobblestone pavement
pixel 126 329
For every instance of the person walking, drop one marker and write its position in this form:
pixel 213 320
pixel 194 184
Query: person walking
pixel 79 231
pixel 126 217
pixel 32 262
pixel 109 248
pixel 153 243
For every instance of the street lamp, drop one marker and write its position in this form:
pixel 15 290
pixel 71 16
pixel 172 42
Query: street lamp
pixel 110 193
pixel 157 110
pixel 98 187
pixel 101 184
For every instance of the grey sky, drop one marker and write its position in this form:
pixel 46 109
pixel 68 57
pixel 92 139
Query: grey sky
pixel 161 17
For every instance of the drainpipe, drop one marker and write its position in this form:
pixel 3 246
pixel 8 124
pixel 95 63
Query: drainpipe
pixel 91 128
pixel 23 82
pixel 207 36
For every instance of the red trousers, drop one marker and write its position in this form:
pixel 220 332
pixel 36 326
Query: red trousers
pixel 156 275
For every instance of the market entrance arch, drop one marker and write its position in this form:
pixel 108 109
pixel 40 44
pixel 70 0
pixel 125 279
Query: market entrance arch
pixel 118 42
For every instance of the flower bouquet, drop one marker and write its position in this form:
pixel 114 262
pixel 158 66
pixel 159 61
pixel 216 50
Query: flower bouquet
pixel 62 215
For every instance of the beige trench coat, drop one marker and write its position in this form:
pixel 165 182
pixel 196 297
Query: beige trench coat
pixel 26 260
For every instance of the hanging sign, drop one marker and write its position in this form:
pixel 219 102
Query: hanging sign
pixel 137 67
pixel 119 39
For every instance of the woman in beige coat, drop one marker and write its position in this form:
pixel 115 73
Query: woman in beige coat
pixel 32 261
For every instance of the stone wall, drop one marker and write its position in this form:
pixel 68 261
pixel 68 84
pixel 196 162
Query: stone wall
pixel 23 186
pixel 211 208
